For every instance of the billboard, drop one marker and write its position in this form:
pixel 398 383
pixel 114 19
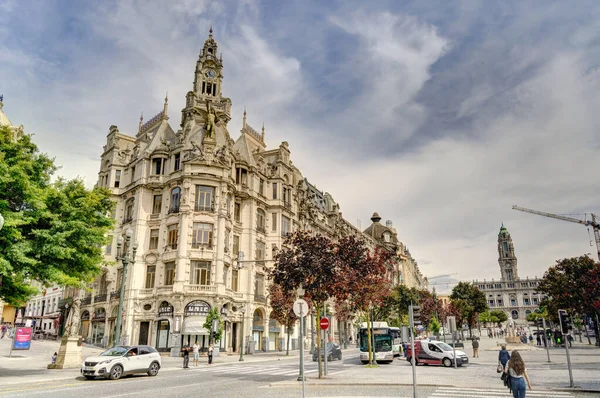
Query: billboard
pixel 22 339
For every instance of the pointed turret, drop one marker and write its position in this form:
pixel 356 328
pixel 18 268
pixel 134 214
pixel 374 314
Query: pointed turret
pixel 141 122
pixel 166 106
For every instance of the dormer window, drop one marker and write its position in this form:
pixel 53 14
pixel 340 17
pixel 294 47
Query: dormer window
pixel 387 237
pixel 157 166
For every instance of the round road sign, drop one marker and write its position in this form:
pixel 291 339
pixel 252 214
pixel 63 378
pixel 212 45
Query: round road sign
pixel 324 323
pixel 300 308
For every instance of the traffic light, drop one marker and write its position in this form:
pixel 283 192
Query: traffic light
pixel 540 323
pixel 416 313
pixel 565 321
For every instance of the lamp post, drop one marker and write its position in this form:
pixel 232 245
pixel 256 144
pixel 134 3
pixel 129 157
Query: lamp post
pixel 243 312
pixel 125 260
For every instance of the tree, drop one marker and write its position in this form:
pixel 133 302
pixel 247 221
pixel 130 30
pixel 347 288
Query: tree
pixel 214 335
pixel 53 232
pixel 434 326
pixel 401 298
pixel 470 301
pixel 499 316
pixel 282 304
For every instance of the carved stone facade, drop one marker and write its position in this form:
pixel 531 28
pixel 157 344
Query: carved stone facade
pixel 194 198
pixel 515 296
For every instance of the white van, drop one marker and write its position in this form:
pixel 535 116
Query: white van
pixel 435 352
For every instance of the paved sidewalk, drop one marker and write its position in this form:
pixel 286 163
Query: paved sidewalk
pixel 31 365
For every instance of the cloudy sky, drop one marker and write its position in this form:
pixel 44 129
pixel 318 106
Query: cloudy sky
pixel 439 115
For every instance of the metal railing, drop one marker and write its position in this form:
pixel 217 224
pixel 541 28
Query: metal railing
pixel 200 288
pixel 100 298
pixel 115 295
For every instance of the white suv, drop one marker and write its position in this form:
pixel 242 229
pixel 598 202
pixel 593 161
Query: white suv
pixel 122 360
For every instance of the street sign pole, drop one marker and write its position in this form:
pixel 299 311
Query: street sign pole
pixel 567 349
pixel 301 308
pixel 412 349
pixel 325 344
pixel 546 339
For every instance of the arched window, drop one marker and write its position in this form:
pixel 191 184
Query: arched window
pixel 386 236
pixel 175 198
pixel 260 220
pixel 129 210
pixel 514 314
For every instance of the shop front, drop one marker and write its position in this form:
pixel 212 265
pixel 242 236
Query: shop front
pixel 84 328
pixel 258 329
pixel 193 324
pixel 112 325
pixel 274 331
pixel 98 327
pixel 163 326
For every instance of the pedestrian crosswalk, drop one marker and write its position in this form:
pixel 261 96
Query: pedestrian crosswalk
pixel 466 392
pixel 250 371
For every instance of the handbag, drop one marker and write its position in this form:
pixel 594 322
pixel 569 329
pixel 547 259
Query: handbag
pixel 499 369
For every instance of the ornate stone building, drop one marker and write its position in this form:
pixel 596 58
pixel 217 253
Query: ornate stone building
pixel 194 198
pixel 511 294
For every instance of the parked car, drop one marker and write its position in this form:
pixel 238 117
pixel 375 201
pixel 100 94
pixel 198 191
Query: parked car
pixel 122 360
pixel 333 352
pixel 432 352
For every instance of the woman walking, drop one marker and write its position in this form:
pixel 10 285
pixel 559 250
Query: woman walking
pixel 517 372
pixel 196 353
pixel 210 354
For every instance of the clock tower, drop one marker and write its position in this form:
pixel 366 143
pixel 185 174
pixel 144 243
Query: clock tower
pixel 506 256
pixel 209 67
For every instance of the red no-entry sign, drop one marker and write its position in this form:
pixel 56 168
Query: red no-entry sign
pixel 324 323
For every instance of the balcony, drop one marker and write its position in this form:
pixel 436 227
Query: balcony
pixel 86 300
pixel 173 210
pixel 287 205
pixel 200 288
pixel 261 228
pixel 235 294
pixel 147 292
pixel 205 208
pixel 203 246
pixel 100 298
pixel 260 298
pixel 163 289
pixel 115 295
pixel 127 219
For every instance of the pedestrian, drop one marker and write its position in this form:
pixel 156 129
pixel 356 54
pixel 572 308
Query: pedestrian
pixel 517 372
pixel 196 350
pixel 186 356
pixel 210 354
pixel 2 330
pixel 539 340
pixel 503 357
pixel 53 359
pixel 570 340
pixel 475 343
pixel 530 339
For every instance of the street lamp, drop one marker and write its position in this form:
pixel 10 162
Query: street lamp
pixel 243 312
pixel 125 259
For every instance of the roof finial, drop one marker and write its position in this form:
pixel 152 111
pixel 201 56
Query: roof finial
pixel 210 31
pixel 262 136
pixel 244 120
pixel 166 106
pixel 141 122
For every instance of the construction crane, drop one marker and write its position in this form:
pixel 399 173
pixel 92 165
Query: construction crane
pixel 593 223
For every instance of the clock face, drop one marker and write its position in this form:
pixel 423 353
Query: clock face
pixel 210 73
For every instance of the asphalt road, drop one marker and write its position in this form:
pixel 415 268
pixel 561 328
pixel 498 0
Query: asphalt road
pixel 260 379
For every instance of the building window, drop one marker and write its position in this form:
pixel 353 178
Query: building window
pixel 156 204
pixel 241 176
pixel 234 280
pixel 109 244
pixel 498 286
pixel 514 314
pixel 117 178
pixel 175 198
pixel 526 301
pixel 150 275
pixel 225 274
pixel 173 236
pixel 132 174
pixel 505 245
pixel 274 222
pixel 204 198
pixel 513 302
pixel 259 285
pixel 203 234
pixel 237 211
pixel 509 275
pixel 176 162
pixel 285 226
pixel 200 273
pixel 260 220
pixel 500 303
pixel 261 187
pixel 226 243
pixel 169 273
pixel 129 210
pixel 153 245
pixel 386 237
pixel 260 251
pixel 157 167
pixel 236 245
pixel 286 195
pixel 535 301
pixel 274 190
pixel 491 303
pixel 228 204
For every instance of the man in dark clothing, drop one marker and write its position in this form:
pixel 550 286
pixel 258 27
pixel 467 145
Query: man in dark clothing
pixel 503 356
pixel 475 347
pixel 186 356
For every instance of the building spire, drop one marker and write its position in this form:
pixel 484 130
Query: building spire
pixel 244 120
pixel 166 106
pixel 141 122
pixel 262 135
pixel 210 31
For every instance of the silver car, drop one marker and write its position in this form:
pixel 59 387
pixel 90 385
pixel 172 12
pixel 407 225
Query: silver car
pixel 122 360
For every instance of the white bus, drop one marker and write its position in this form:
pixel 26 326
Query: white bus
pixel 387 342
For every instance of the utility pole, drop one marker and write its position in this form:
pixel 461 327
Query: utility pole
pixel 563 317
pixel 546 339
pixel 412 349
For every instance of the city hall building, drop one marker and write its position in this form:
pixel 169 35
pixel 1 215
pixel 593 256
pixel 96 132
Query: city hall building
pixel 193 198
pixel 515 296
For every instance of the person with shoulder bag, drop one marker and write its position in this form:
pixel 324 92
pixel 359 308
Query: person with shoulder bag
pixel 517 375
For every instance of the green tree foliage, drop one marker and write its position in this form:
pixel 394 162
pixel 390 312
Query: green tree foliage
pixel 401 297
pixel 572 284
pixel 213 335
pixel 538 313
pixel 53 232
pixel 434 326
pixel 499 316
pixel 471 301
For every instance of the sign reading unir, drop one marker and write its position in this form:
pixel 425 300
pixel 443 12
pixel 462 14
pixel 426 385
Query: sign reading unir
pixel 22 340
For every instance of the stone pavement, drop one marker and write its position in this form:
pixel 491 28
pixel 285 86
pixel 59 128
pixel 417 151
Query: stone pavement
pixel 31 365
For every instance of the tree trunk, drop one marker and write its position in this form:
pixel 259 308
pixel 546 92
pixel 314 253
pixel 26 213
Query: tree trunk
pixel 369 331
pixel 587 333
pixel 287 351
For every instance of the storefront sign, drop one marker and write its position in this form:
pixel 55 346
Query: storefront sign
pixel 85 316
pixel 197 307
pixel 22 340
pixel 166 310
pixel 100 314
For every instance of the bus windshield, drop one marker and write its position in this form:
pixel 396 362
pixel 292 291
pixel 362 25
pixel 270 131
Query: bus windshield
pixel 383 343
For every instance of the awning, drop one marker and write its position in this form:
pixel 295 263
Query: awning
pixel 194 325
